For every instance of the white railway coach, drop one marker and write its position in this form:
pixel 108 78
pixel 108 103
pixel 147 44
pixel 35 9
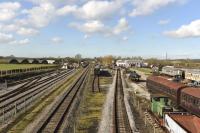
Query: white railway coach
pixel 171 71
pixel 192 74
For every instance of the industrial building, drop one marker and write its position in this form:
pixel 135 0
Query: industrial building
pixel 30 61
pixel 130 63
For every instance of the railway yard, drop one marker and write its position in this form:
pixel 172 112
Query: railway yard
pixel 92 98
pixel 99 66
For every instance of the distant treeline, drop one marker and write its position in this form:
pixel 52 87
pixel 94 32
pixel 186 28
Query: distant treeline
pixel 186 63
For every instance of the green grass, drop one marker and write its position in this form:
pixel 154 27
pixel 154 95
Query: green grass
pixel 3 61
pixel 146 71
pixel 105 80
pixel 91 107
pixel 92 110
pixel 22 66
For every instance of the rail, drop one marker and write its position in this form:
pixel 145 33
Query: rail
pixel 120 118
pixel 53 122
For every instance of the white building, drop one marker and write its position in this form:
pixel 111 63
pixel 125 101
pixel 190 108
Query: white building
pixel 129 63
pixel 120 63
pixel 50 61
pixel 65 66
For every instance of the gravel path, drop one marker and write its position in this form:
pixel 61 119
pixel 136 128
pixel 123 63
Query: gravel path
pixel 127 105
pixel 107 119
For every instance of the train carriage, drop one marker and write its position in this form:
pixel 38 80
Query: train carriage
pixel 134 76
pixel 190 100
pixel 160 84
pixel 172 71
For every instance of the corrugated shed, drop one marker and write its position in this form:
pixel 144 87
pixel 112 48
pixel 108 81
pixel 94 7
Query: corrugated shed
pixel 164 81
pixel 192 91
pixel 190 123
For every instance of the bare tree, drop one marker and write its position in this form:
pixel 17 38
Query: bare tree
pixel 78 58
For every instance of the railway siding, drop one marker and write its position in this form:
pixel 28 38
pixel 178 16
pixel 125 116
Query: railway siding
pixel 54 120
pixel 121 122
pixel 56 88
pixel 20 102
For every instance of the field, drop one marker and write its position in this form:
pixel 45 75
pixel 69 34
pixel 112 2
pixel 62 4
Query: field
pixel 21 66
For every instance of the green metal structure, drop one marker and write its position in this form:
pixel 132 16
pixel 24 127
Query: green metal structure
pixel 160 104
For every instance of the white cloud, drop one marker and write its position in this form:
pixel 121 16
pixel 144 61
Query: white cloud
pixel 90 27
pixel 98 27
pixel 8 27
pixel 93 10
pixel 190 30
pixel 54 2
pixel 66 10
pixel 164 22
pixel 27 31
pixel 86 36
pixel 57 40
pixel 20 42
pixel 16 28
pixel 25 41
pixel 145 7
pixel 121 26
pixel 8 10
pixel 9 39
pixel 98 10
pixel 6 38
pixel 125 38
pixel 38 1
pixel 43 12
pixel 39 16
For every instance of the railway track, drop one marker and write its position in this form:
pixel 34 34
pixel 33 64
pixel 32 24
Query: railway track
pixel 120 118
pixel 27 86
pixel 54 121
pixel 15 101
pixel 13 83
pixel 95 84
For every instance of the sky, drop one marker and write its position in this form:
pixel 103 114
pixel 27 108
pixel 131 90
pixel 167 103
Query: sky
pixel 147 28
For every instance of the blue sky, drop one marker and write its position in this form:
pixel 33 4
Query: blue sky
pixel 148 28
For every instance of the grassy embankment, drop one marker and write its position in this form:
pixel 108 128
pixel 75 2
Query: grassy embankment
pixel 22 66
pixel 91 106
pixel 27 118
